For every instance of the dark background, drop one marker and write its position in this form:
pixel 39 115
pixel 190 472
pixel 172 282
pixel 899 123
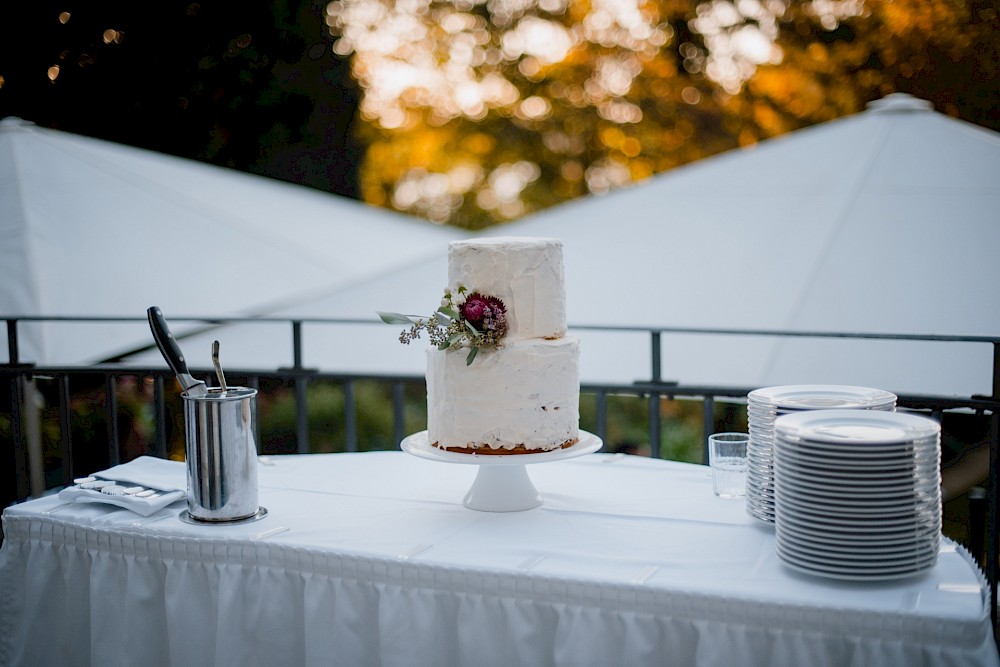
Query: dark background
pixel 249 85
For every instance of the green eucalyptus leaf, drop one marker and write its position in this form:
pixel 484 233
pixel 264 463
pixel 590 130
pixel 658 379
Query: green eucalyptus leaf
pixel 470 327
pixel 449 313
pixel 444 345
pixel 396 318
pixel 472 355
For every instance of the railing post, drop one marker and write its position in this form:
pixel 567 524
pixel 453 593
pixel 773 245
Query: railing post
pixel 111 415
pixel 708 425
pixel 254 383
pixel 654 424
pixel 159 418
pixel 602 416
pixel 65 430
pixel 991 518
pixel 19 453
pixel 350 418
pixel 398 415
pixel 301 414
pixel 656 354
pixel 301 393
pixel 296 344
pixel 12 353
pixel 994 486
pixel 654 396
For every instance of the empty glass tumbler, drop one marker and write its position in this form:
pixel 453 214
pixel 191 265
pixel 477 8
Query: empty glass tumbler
pixel 727 456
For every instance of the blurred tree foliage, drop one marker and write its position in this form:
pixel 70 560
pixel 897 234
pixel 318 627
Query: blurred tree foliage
pixel 835 61
pixel 251 86
pixel 474 112
pixel 479 112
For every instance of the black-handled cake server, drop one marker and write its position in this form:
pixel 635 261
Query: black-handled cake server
pixel 171 351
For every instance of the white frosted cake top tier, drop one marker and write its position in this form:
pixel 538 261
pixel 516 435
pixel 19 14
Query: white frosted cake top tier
pixel 526 273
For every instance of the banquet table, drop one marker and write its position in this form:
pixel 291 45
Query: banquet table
pixel 372 559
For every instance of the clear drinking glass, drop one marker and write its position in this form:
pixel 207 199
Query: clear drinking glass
pixel 727 456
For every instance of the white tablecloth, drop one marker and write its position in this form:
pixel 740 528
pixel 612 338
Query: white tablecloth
pixel 371 559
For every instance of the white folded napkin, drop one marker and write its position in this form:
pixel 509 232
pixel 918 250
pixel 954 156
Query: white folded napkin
pixel 167 478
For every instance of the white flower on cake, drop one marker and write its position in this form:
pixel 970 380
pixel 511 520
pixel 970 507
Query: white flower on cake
pixel 465 319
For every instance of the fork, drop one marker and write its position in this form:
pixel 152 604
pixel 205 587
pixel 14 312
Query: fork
pixel 118 490
pixel 96 485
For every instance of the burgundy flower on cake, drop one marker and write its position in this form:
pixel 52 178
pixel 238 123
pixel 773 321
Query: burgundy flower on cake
pixel 466 319
pixel 485 313
pixel 473 309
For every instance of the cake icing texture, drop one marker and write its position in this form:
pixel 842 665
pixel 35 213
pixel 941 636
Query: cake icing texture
pixel 525 273
pixel 524 396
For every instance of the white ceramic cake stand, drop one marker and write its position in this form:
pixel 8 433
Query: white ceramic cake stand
pixel 502 483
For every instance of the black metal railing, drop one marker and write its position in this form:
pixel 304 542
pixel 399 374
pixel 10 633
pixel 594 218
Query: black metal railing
pixel 654 390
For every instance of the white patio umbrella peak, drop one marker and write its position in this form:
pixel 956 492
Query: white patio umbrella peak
pixel 90 227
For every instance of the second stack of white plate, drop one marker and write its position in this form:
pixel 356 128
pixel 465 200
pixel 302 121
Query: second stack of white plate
pixel 858 493
pixel 765 405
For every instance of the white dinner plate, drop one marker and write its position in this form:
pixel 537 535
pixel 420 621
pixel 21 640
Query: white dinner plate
pixel 853 576
pixel 854 573
pixel 845 532
pixel 847 481
pixel 820 517
pixel 806 507
pixel 881 471
pixel 878 476
pixel 764 507
pixel 925 543
pixel 903 550
pixel 858 496
pixel 860 428
pixel 927 550
pixel 760 515
pixel 856 525
pixel 915 558
pixel 924 472
pixel 850 450
pixel 871 483
pixel 821 397
pixel 861 544
pixel 928 447
pixel 900 472
pixel 888 508
pixel 759 469
pixel 755 482
pixel 930 542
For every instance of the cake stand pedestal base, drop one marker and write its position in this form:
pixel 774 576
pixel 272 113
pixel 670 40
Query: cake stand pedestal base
pixel 503 488
pixel 502 483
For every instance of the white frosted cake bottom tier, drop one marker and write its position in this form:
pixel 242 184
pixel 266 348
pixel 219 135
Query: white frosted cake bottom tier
pixel 526 394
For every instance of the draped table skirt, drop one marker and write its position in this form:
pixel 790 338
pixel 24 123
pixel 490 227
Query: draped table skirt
pixel 371 559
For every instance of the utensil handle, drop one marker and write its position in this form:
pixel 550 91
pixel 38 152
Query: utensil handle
pixel 169 348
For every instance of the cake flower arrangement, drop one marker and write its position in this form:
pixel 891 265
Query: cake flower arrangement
pixel 465 319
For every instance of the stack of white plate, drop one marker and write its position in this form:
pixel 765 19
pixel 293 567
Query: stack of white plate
pixel 765 405
pixel 858 493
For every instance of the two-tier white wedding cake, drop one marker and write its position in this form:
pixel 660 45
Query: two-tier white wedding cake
pixel 522 395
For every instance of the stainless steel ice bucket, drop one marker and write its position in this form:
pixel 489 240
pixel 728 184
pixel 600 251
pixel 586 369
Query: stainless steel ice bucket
pixel 221 454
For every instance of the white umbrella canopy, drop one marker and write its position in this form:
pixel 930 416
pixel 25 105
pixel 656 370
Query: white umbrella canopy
pixel 883 222
pixel 90 227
